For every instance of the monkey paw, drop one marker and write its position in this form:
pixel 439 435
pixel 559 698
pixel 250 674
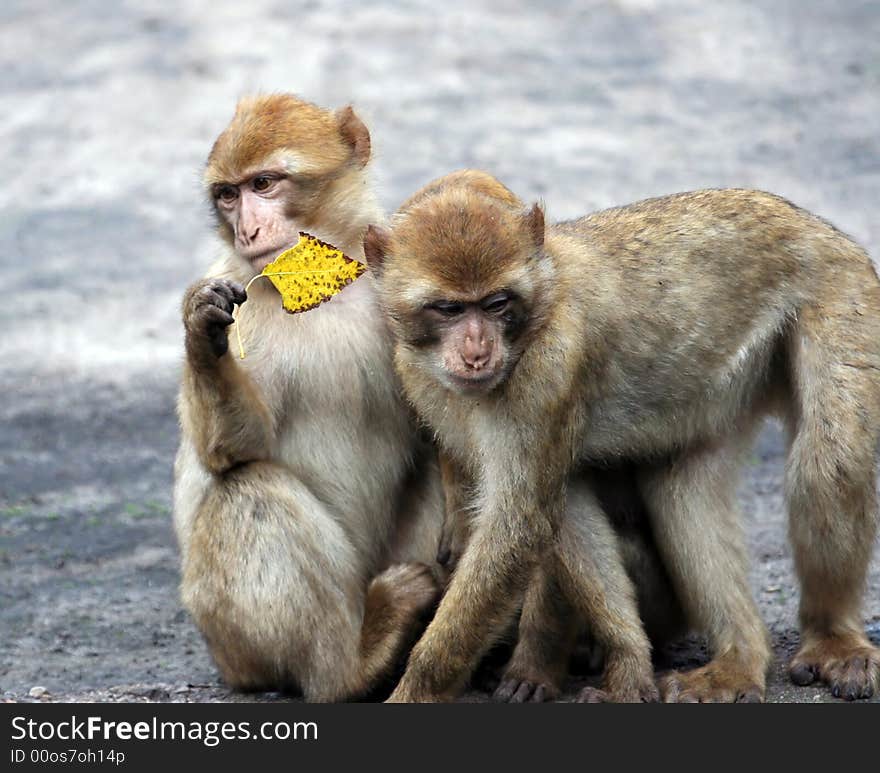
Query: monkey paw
pixel 515 688
pixel 207 312
pixel 713 683
pixel 411 586
pixel 643 693
pixel 850 666
pixel 402 695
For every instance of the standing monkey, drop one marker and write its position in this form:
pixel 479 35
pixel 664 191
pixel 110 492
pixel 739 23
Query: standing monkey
pixel 659 332
pixel 300 476
pixel 607 551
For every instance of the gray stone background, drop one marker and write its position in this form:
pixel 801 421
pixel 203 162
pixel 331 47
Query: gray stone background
pixel 108 111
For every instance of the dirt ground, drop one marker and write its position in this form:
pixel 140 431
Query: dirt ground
pixel 108 113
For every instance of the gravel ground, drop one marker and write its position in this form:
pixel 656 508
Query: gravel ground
pixel 109 111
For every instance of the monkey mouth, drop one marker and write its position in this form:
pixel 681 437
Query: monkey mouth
pixel 260 260
pixel 479 381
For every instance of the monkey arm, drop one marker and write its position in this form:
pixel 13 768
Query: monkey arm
pixel 523 505
pixel 223 412
pixel 221 408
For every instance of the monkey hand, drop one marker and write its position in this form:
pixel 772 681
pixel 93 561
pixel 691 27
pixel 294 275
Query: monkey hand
pixel 207 312
pixel 516 687
pixel 409 589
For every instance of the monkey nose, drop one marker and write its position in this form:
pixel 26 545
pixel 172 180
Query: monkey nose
pixel 475 360
pixel 245 238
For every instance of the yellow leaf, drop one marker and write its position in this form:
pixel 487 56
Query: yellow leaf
pixel 307 275
pixel 310 273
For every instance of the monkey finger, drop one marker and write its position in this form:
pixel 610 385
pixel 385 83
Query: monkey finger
pixel 650 694
pixel 523 693
pixel 222 288
pixel 646 692
pixel 214 316
pixel 239 294
pixel 803 674
pixel 218 295
pixel 231 291
pixel 540 695
pixel 852 679
pixel 505 690
pixel 511 691
pixel 674 690
pixel 592 695
pixel 669 688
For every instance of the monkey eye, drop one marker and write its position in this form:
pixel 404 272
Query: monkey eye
pixel 263 183
pixel 446 308
pixel 226 193
pixel 495 303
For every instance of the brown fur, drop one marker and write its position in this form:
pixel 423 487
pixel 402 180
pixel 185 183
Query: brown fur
pixel 659 332
pixel 546 637
pixel 264 126
pixel 306 505
pixel 548 622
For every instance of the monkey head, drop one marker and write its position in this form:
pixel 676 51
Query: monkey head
pixel 460 274
pixel 276 170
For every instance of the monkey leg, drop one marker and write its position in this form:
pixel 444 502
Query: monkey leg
pixel 548 622
pixel 519 505
pixel 831 527
pixel 595 582
pixel 278 590
pixel 659 608
pixel 830 482
pixel 546 636
pixel 692 505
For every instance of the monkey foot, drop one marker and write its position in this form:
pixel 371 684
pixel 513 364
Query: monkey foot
pixel 713 683
pixel 850 666
pixel 515 688
pixel 641 693
pixel 402 695
pixel 409 586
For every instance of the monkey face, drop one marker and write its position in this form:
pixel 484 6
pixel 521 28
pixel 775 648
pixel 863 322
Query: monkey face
pixel 255 212
pixel 276 170
pixel 458 277
pixel 470 346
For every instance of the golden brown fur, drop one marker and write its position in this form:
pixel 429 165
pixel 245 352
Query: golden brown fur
pixel 306 506
pixel 659 332
pixel 281 123
pixel 556 609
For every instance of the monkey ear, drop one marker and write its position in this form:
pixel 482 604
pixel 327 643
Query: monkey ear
pixel 375 246
pixel 355 133
pixel 534 222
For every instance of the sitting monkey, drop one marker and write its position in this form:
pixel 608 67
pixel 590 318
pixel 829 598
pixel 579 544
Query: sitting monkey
pixel 306 505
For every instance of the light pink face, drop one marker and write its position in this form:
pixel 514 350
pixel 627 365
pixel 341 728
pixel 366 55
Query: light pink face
pixel 472 344
pixel 258 212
